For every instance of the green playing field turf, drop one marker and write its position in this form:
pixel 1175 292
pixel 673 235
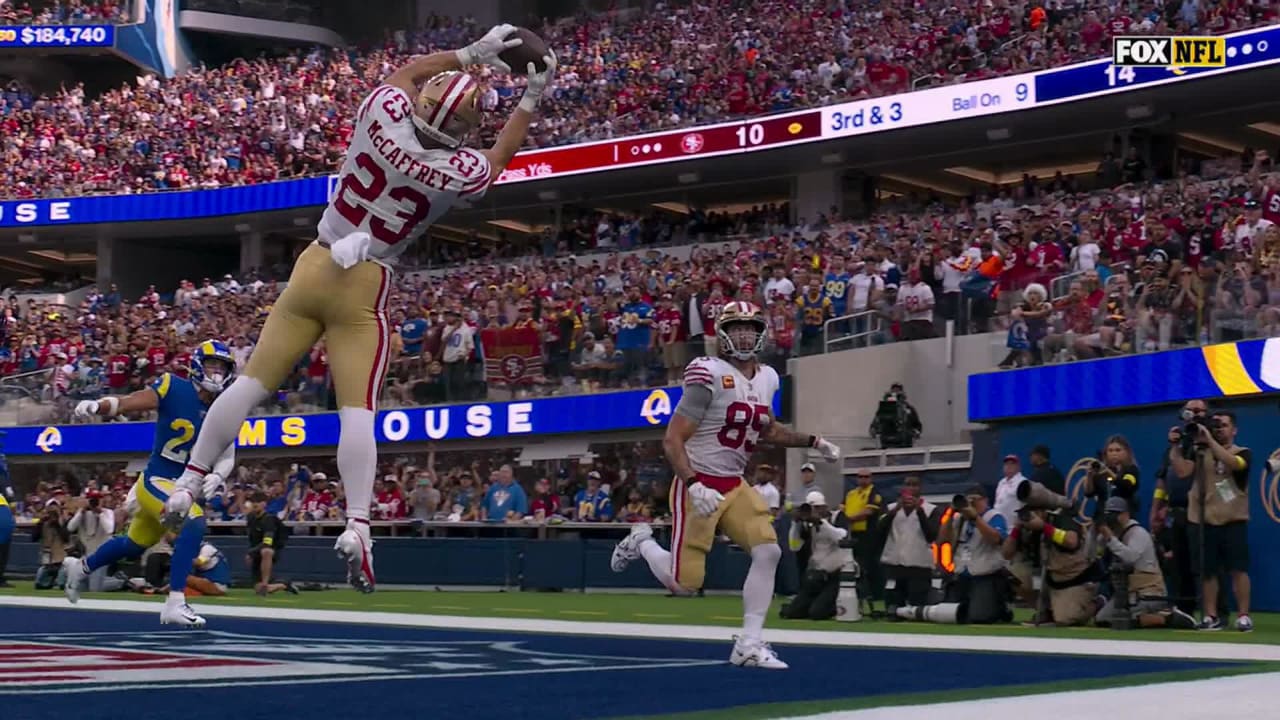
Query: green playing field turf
pixel 653 608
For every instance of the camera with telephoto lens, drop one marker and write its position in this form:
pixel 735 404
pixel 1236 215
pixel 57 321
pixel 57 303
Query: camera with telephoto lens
pixel 959 502
pixel 93 503
pixel 1035 496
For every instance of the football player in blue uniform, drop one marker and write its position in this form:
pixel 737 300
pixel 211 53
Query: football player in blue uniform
pixel 181 404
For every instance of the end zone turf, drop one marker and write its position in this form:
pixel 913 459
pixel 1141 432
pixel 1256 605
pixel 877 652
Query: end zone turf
pixel 351 662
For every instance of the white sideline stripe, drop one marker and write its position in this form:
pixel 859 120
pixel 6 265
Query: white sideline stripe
pixel 990 643
pixel 1244 696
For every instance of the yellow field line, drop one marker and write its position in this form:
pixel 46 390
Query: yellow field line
pixel 518 610
pixel 582 612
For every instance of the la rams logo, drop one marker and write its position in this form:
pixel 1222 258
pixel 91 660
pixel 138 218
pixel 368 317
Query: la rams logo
pixel 49 439
pixel 656 407
pixel 1269 488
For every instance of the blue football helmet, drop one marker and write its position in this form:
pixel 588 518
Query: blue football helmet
pixel 211 377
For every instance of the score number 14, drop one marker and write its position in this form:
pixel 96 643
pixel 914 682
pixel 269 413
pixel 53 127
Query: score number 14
pixel 1117 75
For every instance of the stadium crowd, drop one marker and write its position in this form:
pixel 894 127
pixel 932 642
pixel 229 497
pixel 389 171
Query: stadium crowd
pixel 1070 275
pixel 57 12
pixel 258 120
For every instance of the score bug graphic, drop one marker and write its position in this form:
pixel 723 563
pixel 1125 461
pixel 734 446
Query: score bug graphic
pixel 725 139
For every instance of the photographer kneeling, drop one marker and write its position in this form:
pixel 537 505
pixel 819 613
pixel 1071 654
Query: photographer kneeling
pixel 981 588
pixel 1071 577
pixel 812 527
pixel 1137 581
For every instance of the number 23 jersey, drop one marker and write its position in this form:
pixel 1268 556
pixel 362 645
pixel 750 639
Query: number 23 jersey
pixel 390 186
pixel 739 411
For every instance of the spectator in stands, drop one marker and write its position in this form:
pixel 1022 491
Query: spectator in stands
pixel 425 498
pixel 592 502
pixel 457 339
pixel 390 503
pixel 545 504
pixel 505 500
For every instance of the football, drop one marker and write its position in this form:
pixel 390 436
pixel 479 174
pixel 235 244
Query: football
pixel 530 51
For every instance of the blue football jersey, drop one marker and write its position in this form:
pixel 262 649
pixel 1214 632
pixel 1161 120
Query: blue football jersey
pixel 178 421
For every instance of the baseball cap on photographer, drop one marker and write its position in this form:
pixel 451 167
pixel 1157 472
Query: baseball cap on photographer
pixel 1116 505
pixel 815 498
pixel 808 467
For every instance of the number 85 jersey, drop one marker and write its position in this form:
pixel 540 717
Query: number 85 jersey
pixel 739 411
pixel 390 186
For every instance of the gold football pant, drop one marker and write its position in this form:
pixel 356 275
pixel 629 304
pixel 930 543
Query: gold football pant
pixel 348 307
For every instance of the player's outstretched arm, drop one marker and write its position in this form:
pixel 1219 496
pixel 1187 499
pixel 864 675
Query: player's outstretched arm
pixel 778 434
pixel 516 128
pixel 141 401
pixel 481 52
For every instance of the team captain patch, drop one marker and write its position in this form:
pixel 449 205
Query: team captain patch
pixel 726 381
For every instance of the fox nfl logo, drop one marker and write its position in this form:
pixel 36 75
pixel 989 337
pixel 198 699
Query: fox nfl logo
pixel 1194 52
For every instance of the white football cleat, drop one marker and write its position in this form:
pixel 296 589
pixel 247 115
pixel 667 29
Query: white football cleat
pixel 76 573
pixel 628 548
pixel 180 613
pixel 757 654
pixel 355 547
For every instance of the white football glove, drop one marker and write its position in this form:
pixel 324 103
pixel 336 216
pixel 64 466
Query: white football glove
pixel 827 449
pixel 86 409
pixel 351 250
pixel 705 500
pixel 213 486
pixel 538 83
pixel 485 50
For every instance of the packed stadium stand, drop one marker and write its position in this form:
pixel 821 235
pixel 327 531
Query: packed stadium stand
pixel 1143 251
pixel 256 120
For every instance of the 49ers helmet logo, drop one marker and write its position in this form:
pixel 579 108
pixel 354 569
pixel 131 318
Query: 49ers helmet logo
pixel 513 367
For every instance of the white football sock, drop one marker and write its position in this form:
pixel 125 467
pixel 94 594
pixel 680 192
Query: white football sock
pixel 222 423
pixel 757 590
pixel 357 459
pixel 177 598
pixel 659 559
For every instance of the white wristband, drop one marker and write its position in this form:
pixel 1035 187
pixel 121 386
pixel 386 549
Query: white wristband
pixel 464 56
pixel 113 405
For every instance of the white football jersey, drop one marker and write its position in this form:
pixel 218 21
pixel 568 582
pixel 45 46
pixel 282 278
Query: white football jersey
pixel 390 186
pixel 739 411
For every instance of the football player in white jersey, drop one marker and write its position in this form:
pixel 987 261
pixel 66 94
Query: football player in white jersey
pixel 723 413
pixel 406 166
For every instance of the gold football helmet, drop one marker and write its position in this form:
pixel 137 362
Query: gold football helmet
pixel 746 341
pixel 448 108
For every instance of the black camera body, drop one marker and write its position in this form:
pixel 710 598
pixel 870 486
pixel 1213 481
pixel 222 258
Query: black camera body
pixel 1191 433
pixel 959 502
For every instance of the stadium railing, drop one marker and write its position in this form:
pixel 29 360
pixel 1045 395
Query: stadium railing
pixel 852 340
